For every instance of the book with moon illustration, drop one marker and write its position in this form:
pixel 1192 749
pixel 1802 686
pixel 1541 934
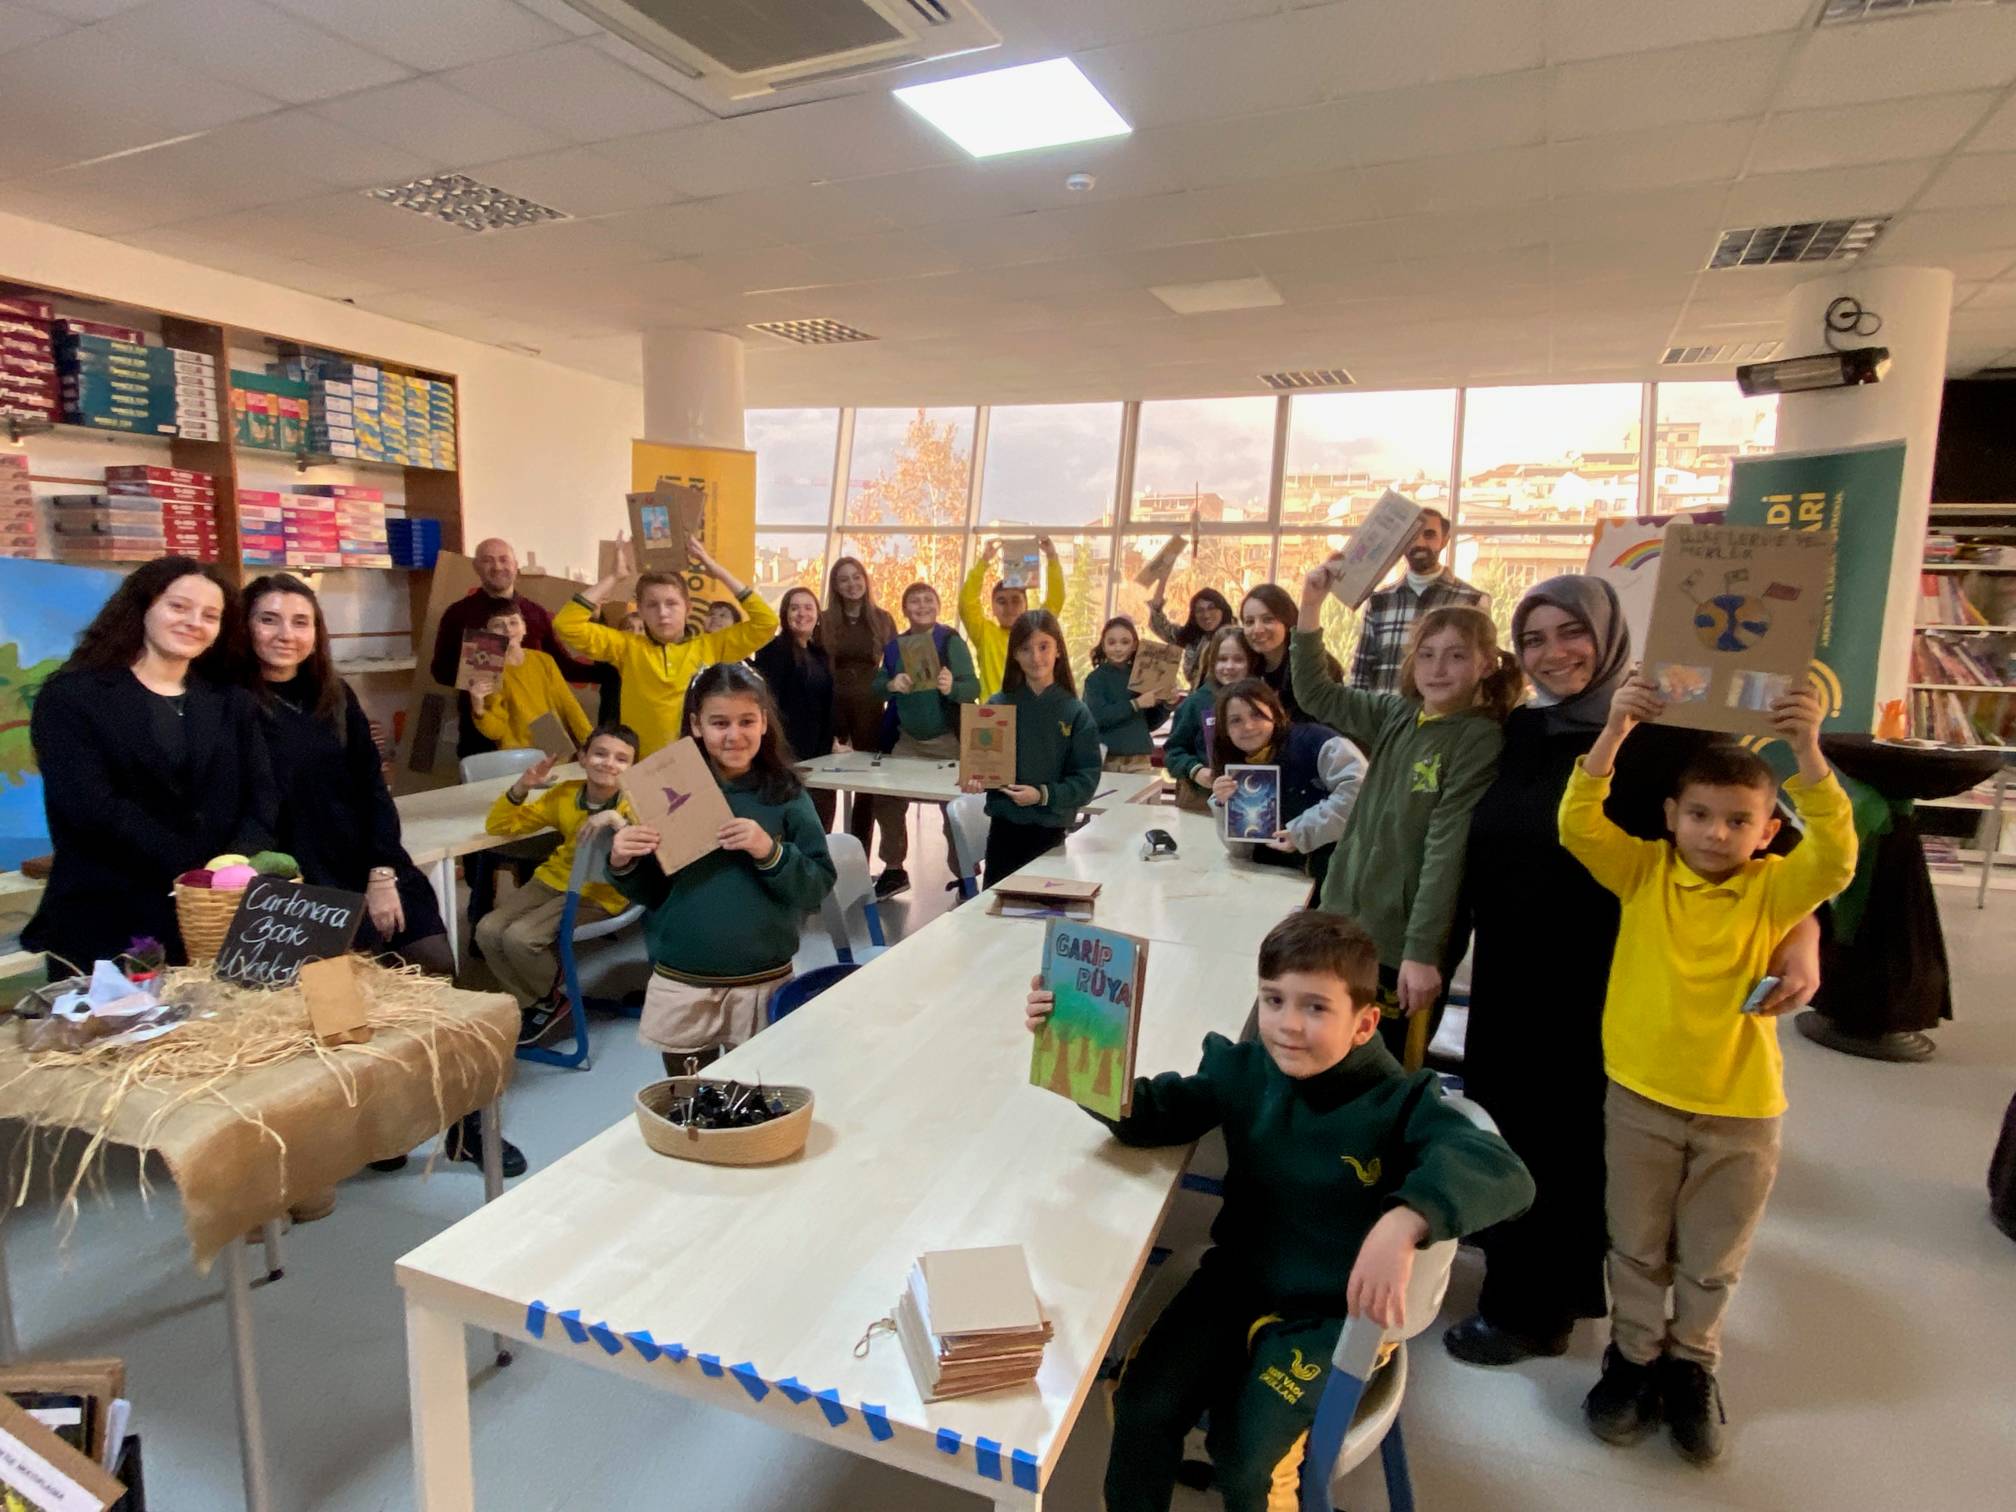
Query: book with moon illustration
pixel 1254 811
pixel 1736 616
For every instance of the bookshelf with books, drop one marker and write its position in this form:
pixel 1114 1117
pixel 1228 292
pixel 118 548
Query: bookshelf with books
pixel 1963 645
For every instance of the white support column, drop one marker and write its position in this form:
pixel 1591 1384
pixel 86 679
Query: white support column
pixel 1915 306
pixel 693 388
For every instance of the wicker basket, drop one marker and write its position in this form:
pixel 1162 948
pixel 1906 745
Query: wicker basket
pixel 205 915
pixel 758 1145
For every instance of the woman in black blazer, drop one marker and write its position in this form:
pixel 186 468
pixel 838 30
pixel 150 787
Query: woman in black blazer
pixel 800 675
pixel 151 764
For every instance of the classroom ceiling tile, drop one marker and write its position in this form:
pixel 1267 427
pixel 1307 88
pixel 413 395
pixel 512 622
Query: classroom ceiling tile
pixel 1696 154
pixel 1468 115
pixel 1471 181
pixel 573 179
pixel 813 212
pixel 1928 52
pixel 244 42
pixel 1301 202
pixel 575 91
pixel 453 126
pixel 1372 46
pixel 1936 235
pixel 431 34
pixel 1709 81
pixel 1577 29
pixel 1250 148
pixel 1875 131
pixel 1998 133
pixel 1771 199
pixel 1239 68
pixel 20 25
pixel 691 229
pixel 84 12
pixel 321 150
pixel 1978 180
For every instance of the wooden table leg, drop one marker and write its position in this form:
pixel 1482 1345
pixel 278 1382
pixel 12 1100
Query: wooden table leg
pixel 251 1418
pixel 437 1381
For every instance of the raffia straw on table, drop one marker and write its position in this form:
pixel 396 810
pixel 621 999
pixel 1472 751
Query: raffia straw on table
pixel 244 1030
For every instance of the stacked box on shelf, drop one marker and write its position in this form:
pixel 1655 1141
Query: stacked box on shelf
pixel 415 542
pixel 94 527
pixel 262 538
pixel 28 379
pixel 308 525
pixel 109 383
pixel 19 531
pixel 268 413
pixel 361 537
pixel 186 502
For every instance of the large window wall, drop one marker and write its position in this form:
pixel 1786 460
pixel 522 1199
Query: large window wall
pixel 1267 487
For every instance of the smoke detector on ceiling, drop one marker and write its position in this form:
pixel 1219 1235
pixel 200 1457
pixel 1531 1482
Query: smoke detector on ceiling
pixel 734 50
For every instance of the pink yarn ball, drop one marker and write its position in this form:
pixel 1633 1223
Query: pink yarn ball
pixel 232 877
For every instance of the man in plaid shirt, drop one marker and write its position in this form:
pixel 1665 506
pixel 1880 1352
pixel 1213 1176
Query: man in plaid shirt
pixel 1390 613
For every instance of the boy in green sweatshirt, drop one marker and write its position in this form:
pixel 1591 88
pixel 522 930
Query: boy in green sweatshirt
pixel 1340 1167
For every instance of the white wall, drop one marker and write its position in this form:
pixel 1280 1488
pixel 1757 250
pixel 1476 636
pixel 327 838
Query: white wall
pixel 545 449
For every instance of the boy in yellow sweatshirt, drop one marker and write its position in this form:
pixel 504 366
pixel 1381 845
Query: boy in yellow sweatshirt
pixel 1696 1079
pixel 529 686
pixel 989 633
pixel 516 937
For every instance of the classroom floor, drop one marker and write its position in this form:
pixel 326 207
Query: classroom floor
pixel 1869 1350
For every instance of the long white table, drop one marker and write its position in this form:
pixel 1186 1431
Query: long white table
pixel 918 779
pixel 444 824
pixel 748 1289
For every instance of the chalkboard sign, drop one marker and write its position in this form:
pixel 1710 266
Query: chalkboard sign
pixel 280 926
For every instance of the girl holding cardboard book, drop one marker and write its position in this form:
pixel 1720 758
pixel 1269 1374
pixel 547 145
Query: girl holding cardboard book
pixel 1127 720
pixel 722 929
pixel 921 718
pixel 1320 775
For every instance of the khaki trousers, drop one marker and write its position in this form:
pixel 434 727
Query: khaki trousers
pixel 1129 764
pixel 680 1018
pixel 517 938
pixel 1684 1195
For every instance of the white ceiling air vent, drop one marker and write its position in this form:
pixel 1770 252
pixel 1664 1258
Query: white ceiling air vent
pixel 1840 12
pixel 814 332
pixel 741 49
pixel 1307 378
pixel 1714 354
pixel 1800 242
pixel 456 200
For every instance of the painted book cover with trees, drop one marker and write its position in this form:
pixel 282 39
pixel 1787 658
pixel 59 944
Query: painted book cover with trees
pixel 1086 1051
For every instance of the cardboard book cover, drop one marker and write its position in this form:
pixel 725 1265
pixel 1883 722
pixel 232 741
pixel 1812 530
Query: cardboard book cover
pixel 1736 617
pixel 1373 548
pixel 483 653
pixel 1085 1051
pixel 1253 813
pixel 550 736
pixel 674 792
pixel 1021 564
pixel 39 1472
pixel 987 744
pixel 660 523
pixel 1157 670
pixel 919 654
pixel 1160 565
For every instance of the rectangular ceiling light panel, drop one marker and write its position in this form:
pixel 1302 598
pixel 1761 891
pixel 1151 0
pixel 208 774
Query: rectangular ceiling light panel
pixel 458 201
pixel 1218 294
pixel 1307 378
pixel 1800 242
pixel 1017 109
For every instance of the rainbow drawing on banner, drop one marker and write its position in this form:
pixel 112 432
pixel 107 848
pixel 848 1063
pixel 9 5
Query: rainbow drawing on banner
pixel 1631 558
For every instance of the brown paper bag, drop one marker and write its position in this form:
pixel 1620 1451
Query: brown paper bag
pixel 987 744
pixel 335 1005
pixel 674 792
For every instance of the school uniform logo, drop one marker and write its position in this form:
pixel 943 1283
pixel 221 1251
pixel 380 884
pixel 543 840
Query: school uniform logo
pixel 1303 1370
pixel 1063 729
pixel 1367 1174
pixel 1428 775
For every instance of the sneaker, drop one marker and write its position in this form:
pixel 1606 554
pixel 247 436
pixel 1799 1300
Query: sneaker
pixel 390 1163
pixel 893 880
pixel 465 1142
pixel 1623 1406
pixel 548 1020
pixel 1478 1341
pixel 1693 1409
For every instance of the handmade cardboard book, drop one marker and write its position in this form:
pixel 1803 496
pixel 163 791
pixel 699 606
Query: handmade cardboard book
pixel 483 653
pixel 1157 670
pixel 1086 1050
pixel 673 790
pixel 1736 617
pixel 1021 565
pixel 660 523
pixel 987 744
pixel 1373 548
pixel 1254 811
pixel 1049 889
pixel 551 736
pixel 39 1472
pixel 969 1322
pixel 1160 565
pixel 920 660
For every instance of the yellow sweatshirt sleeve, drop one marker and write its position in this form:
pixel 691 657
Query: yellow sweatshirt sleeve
pixel 745 637
pixel 1053 586
pixel 1618 862
pixel 528 818
pixel 576 625
pixel 972 603
pixel 561 700
pixel 1823 862
pixel 495 719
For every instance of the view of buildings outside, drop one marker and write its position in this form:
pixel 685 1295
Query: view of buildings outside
pixel 1538 467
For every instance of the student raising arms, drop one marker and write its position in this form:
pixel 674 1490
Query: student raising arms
pixel 722 929
pixel 1432 749
pixel 1209 613
pixel 1320 775
pixel 505 705
pixel 1186 754
pixel 989 633
pixel 1056 749
pixel 1127 721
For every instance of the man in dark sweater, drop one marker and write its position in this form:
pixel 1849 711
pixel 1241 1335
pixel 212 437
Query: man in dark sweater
pixel 497 593
pixel 1340 1167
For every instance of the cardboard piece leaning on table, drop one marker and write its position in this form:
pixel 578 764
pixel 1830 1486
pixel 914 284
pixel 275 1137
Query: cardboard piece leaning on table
pixel 986 744
pixel 1735 621
pixel 335 1006
pixel 1157 667
pixel 1373 548
pixel 551 736
pixel 1161 564
pixel 674 792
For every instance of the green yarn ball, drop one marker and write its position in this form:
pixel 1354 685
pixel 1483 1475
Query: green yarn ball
pixel 274 864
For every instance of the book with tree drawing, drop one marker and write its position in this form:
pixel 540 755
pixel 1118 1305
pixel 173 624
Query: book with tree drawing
pixel 1085 1050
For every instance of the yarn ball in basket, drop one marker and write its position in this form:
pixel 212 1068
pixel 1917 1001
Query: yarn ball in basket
pixel 274 864
pixel 200 877
pixel 232 877
pixel 229 858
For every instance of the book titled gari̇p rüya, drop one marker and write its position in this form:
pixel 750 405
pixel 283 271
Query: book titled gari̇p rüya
pixel 1085 1049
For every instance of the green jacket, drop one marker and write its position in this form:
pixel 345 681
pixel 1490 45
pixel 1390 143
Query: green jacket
pixel 1399 867
pixel 1183 752
pixel 1313 1163
pixel 1123 729
pixel 924 713
pixel 728 917
pixel 1056 749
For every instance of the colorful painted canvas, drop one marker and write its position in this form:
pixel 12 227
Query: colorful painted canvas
pixel 1086 1051
pixel 1254 812
pixel 43 608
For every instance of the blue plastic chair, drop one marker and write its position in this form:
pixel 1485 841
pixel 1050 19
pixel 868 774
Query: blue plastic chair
pixel 804 987
pixel 591 864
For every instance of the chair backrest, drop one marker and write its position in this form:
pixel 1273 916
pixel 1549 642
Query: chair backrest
pixel 852 896
pixel 967 815
pixel 801 989
pixel 591 856
pixel 488 764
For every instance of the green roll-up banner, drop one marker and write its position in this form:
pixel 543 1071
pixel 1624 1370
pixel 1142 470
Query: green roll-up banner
pixel 1854 493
